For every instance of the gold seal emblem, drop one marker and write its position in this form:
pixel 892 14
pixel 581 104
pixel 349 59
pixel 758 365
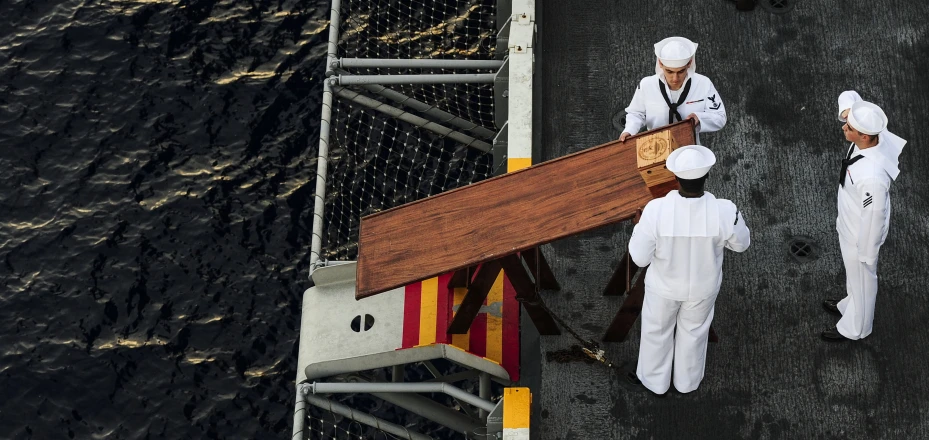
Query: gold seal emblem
pixel 653 148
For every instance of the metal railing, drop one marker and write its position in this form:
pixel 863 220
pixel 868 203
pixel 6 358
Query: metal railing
pixel 514 77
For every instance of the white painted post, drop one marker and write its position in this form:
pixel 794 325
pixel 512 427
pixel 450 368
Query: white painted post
pixel 517 402
pixel 522 36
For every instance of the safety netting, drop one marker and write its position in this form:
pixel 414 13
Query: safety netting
pixel 326 425
pixel 378 162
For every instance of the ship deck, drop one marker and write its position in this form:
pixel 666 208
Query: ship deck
pixel 770 375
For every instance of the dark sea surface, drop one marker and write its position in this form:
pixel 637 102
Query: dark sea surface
pixel 158 162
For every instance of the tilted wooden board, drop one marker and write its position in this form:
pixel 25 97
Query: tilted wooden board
pixel 503 215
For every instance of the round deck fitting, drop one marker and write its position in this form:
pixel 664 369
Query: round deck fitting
pixel 802 248
pixel 778 6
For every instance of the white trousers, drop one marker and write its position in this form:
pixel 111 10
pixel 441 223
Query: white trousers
pixel 861 286
pixel 674 333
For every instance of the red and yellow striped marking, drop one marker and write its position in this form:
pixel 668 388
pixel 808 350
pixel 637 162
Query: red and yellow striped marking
pixel 426 312
pixel 461 341
pixel 494 346
pixel 429 307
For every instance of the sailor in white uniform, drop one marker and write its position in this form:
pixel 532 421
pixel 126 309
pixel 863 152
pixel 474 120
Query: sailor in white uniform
pixel 869 168
pixel 681 238
pixel 675 91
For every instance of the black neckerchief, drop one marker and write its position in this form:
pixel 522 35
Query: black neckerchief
pixel 672 108
pixel 689 195
pixel 847 162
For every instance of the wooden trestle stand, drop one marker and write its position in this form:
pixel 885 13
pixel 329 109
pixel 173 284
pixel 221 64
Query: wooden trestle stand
pixel 498 224
pixel 479 280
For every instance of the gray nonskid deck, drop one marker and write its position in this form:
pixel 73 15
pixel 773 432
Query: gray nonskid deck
pixel 770 376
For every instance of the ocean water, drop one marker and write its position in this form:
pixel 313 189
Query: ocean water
pixel 157 165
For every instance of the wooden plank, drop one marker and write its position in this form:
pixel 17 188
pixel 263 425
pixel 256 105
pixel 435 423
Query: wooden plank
pixel 546 277
pixel 513 267
pixel 622 276
pixel 629 312
pixel 474 299
pixel 503 215
pixel 663 189
pixel 528 296
pixel 543 321
pixel 461 278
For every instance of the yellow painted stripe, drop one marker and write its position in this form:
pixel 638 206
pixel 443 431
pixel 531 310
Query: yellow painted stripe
pixel 518 163
pixel 516 405
pixel 427 311
pixel 494 323
pixel 461 341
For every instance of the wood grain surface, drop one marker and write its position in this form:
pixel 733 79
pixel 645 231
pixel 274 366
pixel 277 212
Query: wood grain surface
pixel 503 215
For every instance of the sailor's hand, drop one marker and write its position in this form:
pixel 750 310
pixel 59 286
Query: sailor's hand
pixel 845 113
pixel 624 136
pixel 695 118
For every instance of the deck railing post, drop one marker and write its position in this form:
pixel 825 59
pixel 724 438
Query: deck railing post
pixel 322 165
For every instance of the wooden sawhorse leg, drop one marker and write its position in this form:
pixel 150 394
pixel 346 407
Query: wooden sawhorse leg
pixel 526 294
pixel 632 307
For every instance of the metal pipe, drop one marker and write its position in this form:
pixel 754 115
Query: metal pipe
pixel 442 116
pixel 412 119
pixel 433 387
pixel 418 63
pixel 455 377
pixel 332 47
pixel 465 423
pixel 451 78
pixel 430 409
pixel 436 374
pixel 299 413
pixel 322 164
pixel 432 369
pixel 367 419
pixel 484 393
pixel 322 168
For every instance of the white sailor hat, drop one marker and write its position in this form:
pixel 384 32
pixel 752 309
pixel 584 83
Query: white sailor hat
pixel 690 162
pixel 867 118
pixel 675 52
